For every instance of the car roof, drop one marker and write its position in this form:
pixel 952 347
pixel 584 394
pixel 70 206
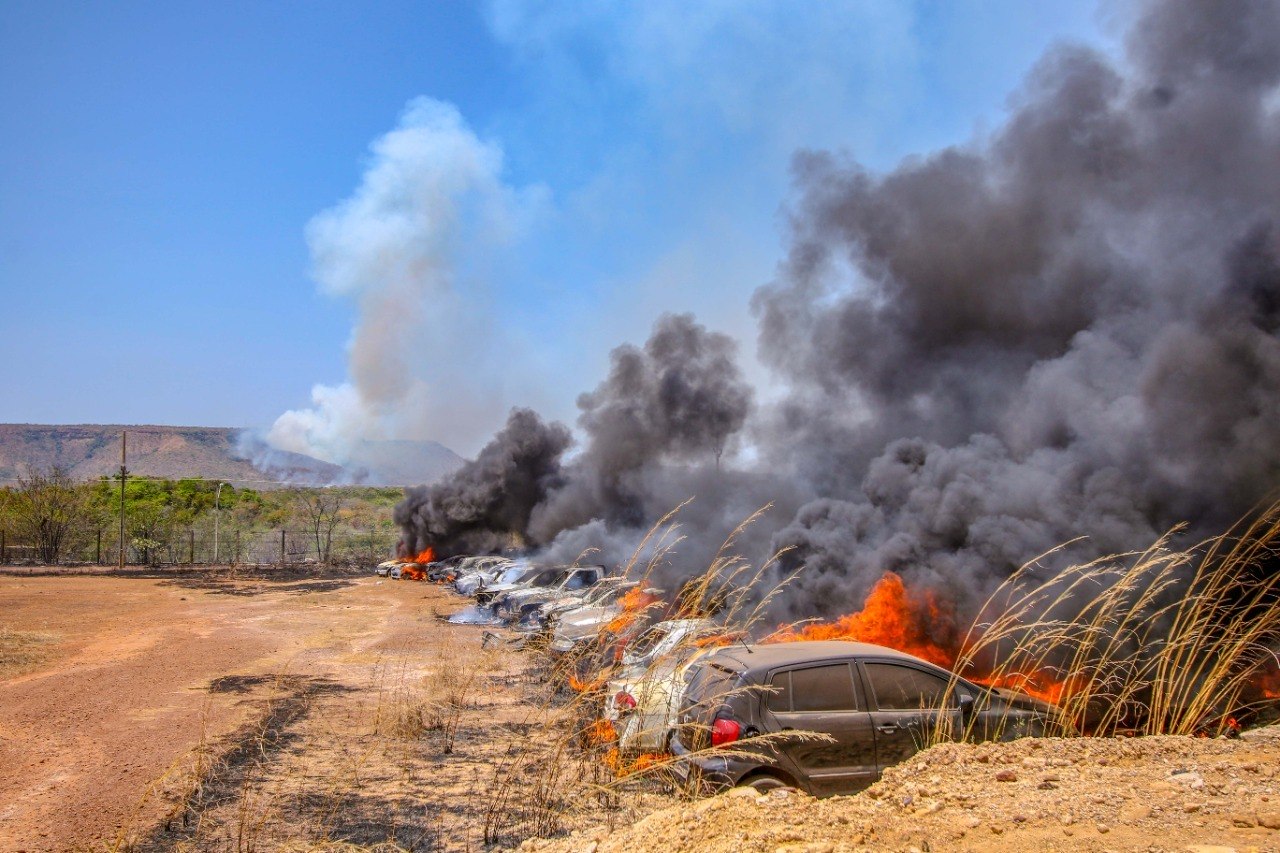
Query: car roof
pixel 756 655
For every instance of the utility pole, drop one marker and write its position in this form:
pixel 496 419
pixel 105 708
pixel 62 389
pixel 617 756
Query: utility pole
pixel 217 519
pixel 124 472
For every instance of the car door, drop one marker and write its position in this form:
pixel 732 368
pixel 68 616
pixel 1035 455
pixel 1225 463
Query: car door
pixel 910 708
pixel 824 698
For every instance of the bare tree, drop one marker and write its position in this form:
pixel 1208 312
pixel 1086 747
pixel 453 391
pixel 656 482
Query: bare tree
pixel 319 510
pixel 49 512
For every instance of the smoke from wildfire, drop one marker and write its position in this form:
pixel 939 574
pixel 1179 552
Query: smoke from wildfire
pixel 406 247
pixel 1066 328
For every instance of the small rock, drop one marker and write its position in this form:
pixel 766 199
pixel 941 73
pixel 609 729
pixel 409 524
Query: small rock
pixel 1006 776
pixel 1046 786
pixel 1068 819
pixel 1244 820
pixel 1190 808
pixel 1103 828
pixel 1271 820
pixel 743 793
pixel 1021 818
pixel 1137 812
pixel 1190 778
pixel 973 823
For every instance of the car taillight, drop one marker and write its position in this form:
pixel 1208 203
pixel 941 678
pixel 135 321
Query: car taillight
pixel 724 731
pixel 624 701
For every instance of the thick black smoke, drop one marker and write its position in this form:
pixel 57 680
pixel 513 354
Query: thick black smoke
pixel 1066 330
pixel 656 431
pixel 480 507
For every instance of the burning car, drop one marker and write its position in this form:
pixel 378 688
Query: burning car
pixel 491 572
pixel 384 568
pixel 856 708
pixel 546 586
pixel 599 599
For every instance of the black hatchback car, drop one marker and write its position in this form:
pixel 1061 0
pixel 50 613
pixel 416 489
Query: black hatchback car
pixel 876 706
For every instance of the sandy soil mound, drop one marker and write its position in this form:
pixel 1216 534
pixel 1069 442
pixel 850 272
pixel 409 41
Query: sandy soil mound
pixel 1158 793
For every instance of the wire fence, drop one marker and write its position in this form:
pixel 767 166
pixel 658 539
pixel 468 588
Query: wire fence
pixel 199 546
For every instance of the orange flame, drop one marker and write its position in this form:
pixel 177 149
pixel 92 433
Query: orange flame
pixel 588 685
pixel 412 572
pixel 1267 681
pixel 889 617
pixel 629 767
pixel 599 733
pixel 634 603
pixel 715 640
pixel 426 555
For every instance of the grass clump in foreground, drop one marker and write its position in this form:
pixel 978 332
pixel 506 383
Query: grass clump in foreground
pixel 1163 641
pixel 23 651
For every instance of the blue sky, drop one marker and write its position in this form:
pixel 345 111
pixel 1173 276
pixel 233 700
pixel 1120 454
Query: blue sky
pixel 168 170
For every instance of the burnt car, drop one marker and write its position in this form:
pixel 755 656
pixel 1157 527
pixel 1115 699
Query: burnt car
pixel 870 707
pixel 547 586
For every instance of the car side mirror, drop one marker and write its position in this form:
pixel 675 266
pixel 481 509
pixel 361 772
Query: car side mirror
pixel 966 705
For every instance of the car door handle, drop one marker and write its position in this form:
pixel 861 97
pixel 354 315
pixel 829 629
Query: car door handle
pixel 887 728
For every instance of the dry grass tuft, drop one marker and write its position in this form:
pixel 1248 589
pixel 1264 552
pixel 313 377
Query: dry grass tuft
pixel 23 651
pixel 1163 641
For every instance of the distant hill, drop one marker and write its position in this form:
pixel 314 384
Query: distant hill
pixel 92 450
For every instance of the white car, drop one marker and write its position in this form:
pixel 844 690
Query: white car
pixel 643 699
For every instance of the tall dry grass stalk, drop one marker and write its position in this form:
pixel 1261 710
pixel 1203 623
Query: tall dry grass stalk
pixel 1162 641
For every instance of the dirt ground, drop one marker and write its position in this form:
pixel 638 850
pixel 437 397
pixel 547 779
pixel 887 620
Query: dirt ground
pixel 1103 794
pixel 219 712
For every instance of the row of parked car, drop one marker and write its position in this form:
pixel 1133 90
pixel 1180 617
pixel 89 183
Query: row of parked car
pixel 825 717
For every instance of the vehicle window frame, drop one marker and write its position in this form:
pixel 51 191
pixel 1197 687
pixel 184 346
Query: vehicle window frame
pixel 941 675
pixel 859 695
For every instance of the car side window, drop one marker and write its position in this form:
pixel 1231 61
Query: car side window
pixel 823 688
pixel 577 581
pixel 902 688
pixel 778 696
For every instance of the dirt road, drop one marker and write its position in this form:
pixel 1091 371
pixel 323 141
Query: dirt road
pixel 142 671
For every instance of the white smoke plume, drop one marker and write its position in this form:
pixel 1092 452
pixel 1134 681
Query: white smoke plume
pixel 409 248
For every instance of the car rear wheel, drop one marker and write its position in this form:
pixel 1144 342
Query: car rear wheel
pixel 764 783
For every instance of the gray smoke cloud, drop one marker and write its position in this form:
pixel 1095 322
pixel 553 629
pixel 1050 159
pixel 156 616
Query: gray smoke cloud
pixel 478 508
pixel 656 432
pixel 1066 328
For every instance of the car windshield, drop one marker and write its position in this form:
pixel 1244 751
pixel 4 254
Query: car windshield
pixel 578 580
pixel 546 578
pixel 514 574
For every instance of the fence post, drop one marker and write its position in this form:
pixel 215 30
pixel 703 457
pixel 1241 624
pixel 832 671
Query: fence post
pixel 236 559
pixel 191 552
pixel 282 547
pixel 97 556
pixel 3 556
